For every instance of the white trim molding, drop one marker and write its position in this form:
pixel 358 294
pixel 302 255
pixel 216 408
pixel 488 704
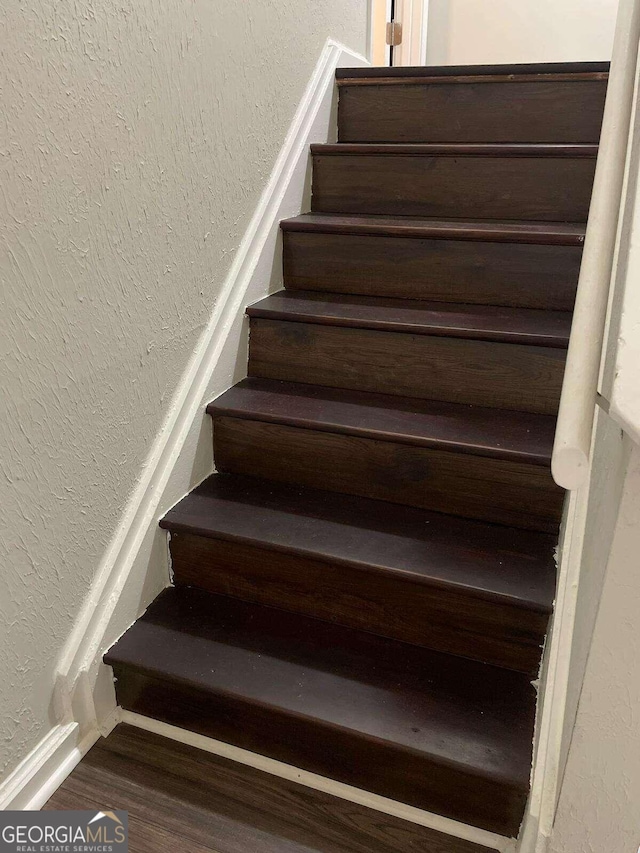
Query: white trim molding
pixel 587 530
pixel 414 17
pixel 41 773
pixel 136 561
pixel 546 770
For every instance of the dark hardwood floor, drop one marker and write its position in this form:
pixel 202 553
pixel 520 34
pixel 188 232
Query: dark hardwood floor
pixel 182 799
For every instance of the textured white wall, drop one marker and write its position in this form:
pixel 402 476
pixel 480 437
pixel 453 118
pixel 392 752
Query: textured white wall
pixel 135 140
pixel 465 32
pixel 608 472
pixel 598 808
pixel 621 383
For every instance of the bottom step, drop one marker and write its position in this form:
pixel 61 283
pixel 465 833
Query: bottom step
pixel 180 798
pixel 437 732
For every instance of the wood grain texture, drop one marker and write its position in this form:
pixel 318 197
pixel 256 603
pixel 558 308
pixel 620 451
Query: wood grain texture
pixel 515 436
pixel 409 183
pixel 504 70
pixel 182 799
pixel 447 319
pixel 497 375
pixel 363 588
pixel 483 230
pixel 387 604
pixel 493 490
pixel 429 579
pixel 445 734
pixel 490 562
pixel 451 110
pixel 458 150
pixel 465 79
pixel 517 275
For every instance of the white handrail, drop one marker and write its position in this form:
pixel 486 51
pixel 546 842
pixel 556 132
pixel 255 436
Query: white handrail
pixel 572 445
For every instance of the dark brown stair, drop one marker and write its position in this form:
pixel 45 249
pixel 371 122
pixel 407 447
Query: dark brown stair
pixel 543 70
pixel 363 588
pixel 539 182
pixel 404 722
pixel 514 436
pixel 524 104
pixel 482 322
pixel 443 458
pixel 449 584
pixel 519 264
pixel 456 353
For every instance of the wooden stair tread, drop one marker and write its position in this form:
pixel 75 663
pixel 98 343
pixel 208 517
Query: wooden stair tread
pixel 551 233
pixel 486 561
pixel 516 436
pixel 455 149
pixel 528 326
pixel 543 69
pixel 466 716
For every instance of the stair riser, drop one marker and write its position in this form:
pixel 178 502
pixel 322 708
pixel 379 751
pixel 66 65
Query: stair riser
pixel 481 187
pixel 387 604
pixel 512 493
pixel 502 375
pixel 559 111
pixel 512 274
pixel 323 749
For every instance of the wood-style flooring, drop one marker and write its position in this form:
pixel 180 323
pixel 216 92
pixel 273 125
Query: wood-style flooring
pixel 182 799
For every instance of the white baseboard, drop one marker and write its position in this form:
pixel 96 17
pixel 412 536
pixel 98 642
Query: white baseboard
pixel 322 783
pixel 42 772
pixel 134 569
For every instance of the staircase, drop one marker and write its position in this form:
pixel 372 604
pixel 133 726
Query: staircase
pixel 364 587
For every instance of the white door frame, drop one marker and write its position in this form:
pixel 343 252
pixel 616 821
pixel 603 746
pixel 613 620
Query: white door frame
pixel 414 17
pixel 377 10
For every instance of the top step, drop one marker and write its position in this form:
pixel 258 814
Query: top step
pixel 538 69
pixel 551 102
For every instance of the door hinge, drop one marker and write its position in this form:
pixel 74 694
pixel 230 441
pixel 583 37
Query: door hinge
pixel 394 33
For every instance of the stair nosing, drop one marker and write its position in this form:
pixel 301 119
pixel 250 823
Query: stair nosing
pixel 157 673
pixel 506 70
pixel 216 408
pixel 455 149
pixel 519 603
pixel 473 79
pixel 392 438
pixel 485 231
pixel 258 311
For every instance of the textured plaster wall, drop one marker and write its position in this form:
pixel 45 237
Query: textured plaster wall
pixel 598 810
pixel 135 139
pixel 492 31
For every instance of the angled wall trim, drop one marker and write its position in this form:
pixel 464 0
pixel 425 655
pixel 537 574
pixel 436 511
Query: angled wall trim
pixel 176 460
